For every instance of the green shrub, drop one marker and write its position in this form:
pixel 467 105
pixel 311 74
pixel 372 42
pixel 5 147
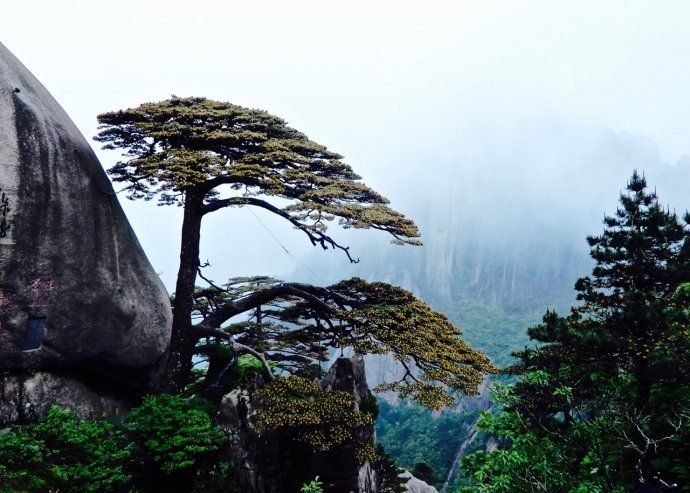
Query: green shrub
pixel 388 473
pixel 249 365
pixel 315 486
pixel 172 434
pixel 22 458
pixel 166 444
pixel 64 453
pixel 370 405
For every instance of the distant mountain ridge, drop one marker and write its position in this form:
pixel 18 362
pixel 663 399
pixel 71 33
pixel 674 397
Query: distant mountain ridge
pixel 504 230
pixel 504 223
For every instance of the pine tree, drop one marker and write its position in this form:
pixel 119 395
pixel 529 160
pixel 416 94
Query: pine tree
pixel 206 155
pixel 606 388
pixel 641 258
pixel 626 318
pixel 292 326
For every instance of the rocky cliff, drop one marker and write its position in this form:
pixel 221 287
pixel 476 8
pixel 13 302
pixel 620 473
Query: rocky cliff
pixel 271 463
pixel 79 301
pixel 415 485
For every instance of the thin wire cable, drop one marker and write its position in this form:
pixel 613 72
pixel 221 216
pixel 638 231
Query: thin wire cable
pixel 295 261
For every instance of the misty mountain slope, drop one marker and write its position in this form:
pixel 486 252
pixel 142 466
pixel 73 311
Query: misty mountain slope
pixel 504 222
pixel 504 227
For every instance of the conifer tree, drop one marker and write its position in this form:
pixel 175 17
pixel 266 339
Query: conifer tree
pixel 293 325
pixel 604 397
pixel 626 318
pixel 206 155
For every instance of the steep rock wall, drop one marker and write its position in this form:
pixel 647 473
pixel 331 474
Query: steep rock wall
pixel 77 292
pixel 272 463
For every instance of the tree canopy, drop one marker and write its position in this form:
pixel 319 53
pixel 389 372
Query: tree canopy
pixel 207 155
pixel 297 324
pixel 195 146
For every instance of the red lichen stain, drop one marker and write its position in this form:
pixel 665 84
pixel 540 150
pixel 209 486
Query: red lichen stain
pixel 35 286
pixel 41 289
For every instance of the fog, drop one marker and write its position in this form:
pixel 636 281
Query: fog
pixel 513 123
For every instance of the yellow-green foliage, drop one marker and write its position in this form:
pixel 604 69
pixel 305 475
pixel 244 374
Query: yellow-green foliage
pixel 369 317
pixel 394 321
pixel 377 318
pixel 309 413
pixel 193 145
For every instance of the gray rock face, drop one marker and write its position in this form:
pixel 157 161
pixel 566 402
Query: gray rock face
pixel 348 375
pixel 27 398
pixel 258 457
pixel 77 292
pixel 271 463
pixel 415 485
pixel 339 468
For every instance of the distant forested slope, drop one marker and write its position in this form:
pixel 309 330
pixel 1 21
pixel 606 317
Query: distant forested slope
pixel 504 226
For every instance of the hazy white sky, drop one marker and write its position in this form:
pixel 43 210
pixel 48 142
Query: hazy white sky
pixel 387 84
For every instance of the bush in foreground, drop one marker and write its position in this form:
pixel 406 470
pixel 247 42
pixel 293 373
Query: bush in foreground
pixel 167 442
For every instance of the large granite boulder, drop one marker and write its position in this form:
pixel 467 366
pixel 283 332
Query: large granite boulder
pixel 77 293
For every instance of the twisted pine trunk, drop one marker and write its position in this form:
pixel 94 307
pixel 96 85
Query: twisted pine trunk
pixel 183 340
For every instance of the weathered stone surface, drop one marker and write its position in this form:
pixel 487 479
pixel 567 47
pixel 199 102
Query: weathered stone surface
pixel 70 264
pixel 348 375
pixel 27 398
pixel 260 458
pixel 273 463
pixel 339 468
pixel 415 485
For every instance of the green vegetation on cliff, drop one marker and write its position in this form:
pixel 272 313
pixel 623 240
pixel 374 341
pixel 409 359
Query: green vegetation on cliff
pixel 412 434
